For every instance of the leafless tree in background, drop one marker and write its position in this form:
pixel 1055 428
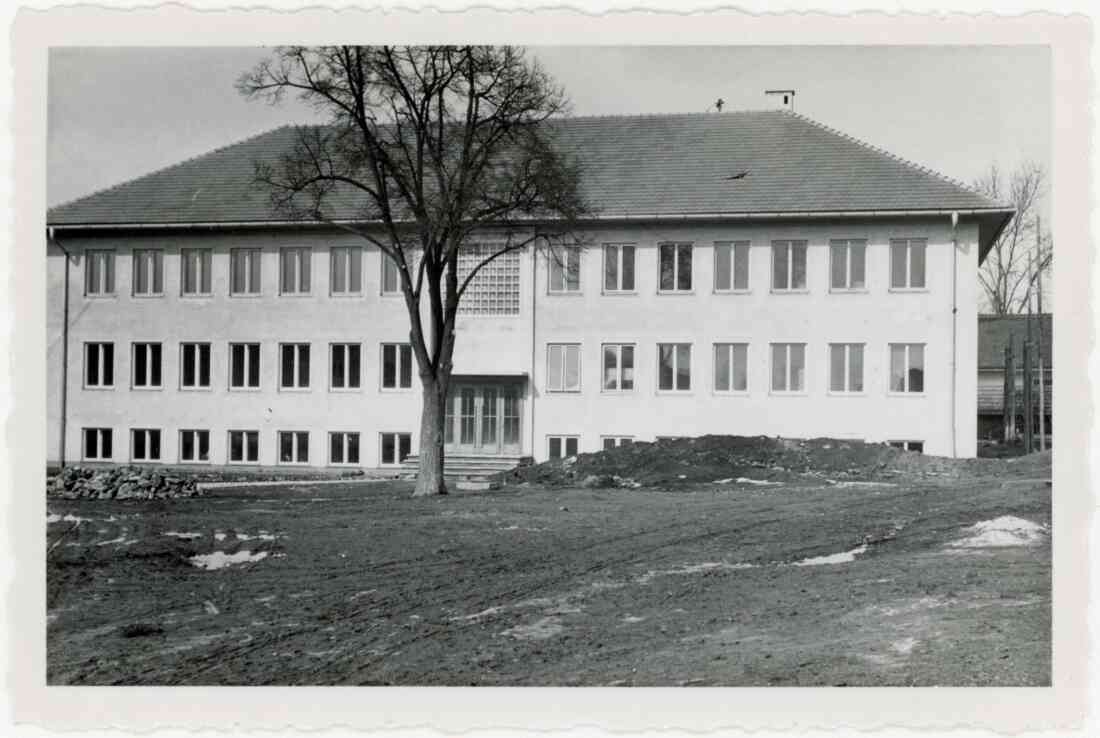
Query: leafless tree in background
pixel 432 146
pixel 1007 275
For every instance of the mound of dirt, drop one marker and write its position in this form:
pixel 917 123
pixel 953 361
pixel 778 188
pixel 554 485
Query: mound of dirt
pixel 752 458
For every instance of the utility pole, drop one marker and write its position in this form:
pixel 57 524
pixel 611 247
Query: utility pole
pixel 1010 392
pixel 1039 306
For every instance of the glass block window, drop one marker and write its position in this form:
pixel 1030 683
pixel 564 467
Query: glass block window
pixel 495 288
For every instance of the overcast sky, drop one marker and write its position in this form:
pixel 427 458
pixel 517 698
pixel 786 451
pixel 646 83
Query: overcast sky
pixel 116 113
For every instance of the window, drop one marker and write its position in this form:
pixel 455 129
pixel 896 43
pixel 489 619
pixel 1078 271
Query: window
pixel 562 447
pixel 907 367
pixel 845 367
pixel 244 446
pixel 847 264
pixel 99 272
pixel 148 272
pixel 494 290
pixel 97 444
pixel 194 445
pixel 674 367
pixel 396 447
pixel 511 418
pixel 345 270
pixel 917 446
pixel 343 448
pixel 244 365
pixel 244 271
pixel 618 367
pixel 144 444
pixel 396 366
pixel 99 365
pixel 788 265
pixel 565 269
pixel 907 263
pixel 293 447
pixel 731 367
pixel 195 365
pixel 391 280
pixel 147 365
pixel 610 442
pixel 675 267
pixel 293 365
pixel 294 270
pixel 788 367
pixel 731 266
pixel 563 367
pixel 195 271
pixel 618 267
pixel 344 360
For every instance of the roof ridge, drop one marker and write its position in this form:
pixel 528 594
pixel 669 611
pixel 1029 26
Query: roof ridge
pixel 693 113
pixel 889 154
pixel 166 168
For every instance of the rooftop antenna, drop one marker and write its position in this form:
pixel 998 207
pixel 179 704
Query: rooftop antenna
pixel 787 98
pixel 719 103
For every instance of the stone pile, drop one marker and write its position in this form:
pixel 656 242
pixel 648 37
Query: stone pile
pixel 118 483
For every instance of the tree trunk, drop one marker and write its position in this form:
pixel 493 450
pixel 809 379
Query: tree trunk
pixel 429 477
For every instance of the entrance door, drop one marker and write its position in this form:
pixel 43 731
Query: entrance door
pixel 483 419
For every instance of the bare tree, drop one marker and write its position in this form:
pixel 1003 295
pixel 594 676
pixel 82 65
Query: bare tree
pixel 431 146
pixel 1006 275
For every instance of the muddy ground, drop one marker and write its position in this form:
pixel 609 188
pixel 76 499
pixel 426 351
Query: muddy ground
pixel 811 581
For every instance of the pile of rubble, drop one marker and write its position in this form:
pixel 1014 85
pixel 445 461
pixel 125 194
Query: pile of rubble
pixel 118 483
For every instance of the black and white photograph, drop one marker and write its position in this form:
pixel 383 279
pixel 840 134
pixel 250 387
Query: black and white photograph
pixel 531 365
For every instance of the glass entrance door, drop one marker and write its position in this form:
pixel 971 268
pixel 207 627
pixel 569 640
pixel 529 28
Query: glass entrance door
pixel 483 419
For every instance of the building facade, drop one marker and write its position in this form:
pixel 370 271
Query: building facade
pixel 211 338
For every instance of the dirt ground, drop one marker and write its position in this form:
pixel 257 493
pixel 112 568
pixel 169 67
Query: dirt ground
pixel 811 580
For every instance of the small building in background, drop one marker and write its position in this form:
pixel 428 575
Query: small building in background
pixel 995 332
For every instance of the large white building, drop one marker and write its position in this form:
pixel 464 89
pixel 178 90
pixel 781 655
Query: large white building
pixel 747 273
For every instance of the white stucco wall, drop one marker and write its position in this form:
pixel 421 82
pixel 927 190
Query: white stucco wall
pixel 876 318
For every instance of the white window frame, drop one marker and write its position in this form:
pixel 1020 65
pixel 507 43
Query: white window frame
pixel 245 370
pixel 298 348
pixel 100 434
pixel 676 368
pixel 348 255
pixel 728 348
pixel 101 365
pixel 790 244
pixel 244 460
pixel 251 254
pixel 199 346
pixel 399 350
pixel 204 274
pixel 564 445
pixel 296 447
pixel 154 266
pixel 846 244
pixel 618 346
pixel 905 373
pixel 561 261
pixel 345 439
pixel 616 442
pixel 345 348
pixel 107 284
pixel 909 243
pixel 147 347
pixel 564 349
pixel 675 289
pixel 302 282
pixel 745 247
pixel 397 435
pixel 196 435
pixel 620 260
pixel 847 378
pixel 789 345
pixel 149 434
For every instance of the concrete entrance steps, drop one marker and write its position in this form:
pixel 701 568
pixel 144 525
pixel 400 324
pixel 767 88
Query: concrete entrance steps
pixel 467 471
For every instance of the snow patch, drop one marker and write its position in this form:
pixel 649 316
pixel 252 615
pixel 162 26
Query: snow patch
pixel 758 482
pixel 184 536
pixel 540 630
pixel 904 646
pixel 219 536
pixel 220 559
pixel 692 569
pixel 121 541
pixel 633 619
pixel 52 518
pixel 1001 532
pixel 843 485
pixel 479 615
pixel 845 557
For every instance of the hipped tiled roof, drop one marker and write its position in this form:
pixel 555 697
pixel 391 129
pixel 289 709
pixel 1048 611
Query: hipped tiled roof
pixel 737 163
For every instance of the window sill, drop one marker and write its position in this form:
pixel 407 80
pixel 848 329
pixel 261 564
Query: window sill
pixel 98 296
pixel 101 460
pixel 799 291
pixel 198 462
pixel 730 393
pixel 780 393
pixel 146 461
pixel 619 293
pixel 563 391
pixel 616 392
pixel 345 390
pixel 254 462
pixel 565 293
pixel 196 295
pixel 245 295
pixel 733 292
pixel 245 389
pixel 391 294
pixel 675 292
pixel 295 294
pixel 395 390
pixel 675 393
pixel 147 296
pixel 196 389
pixel 849 291
pixel 146 389
pixel 836 393
pixel 915 290
pixel 297 390
pixel 343 464
pixel 346 295
pixel 292 463
pixel 905 394
pixel 97 388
